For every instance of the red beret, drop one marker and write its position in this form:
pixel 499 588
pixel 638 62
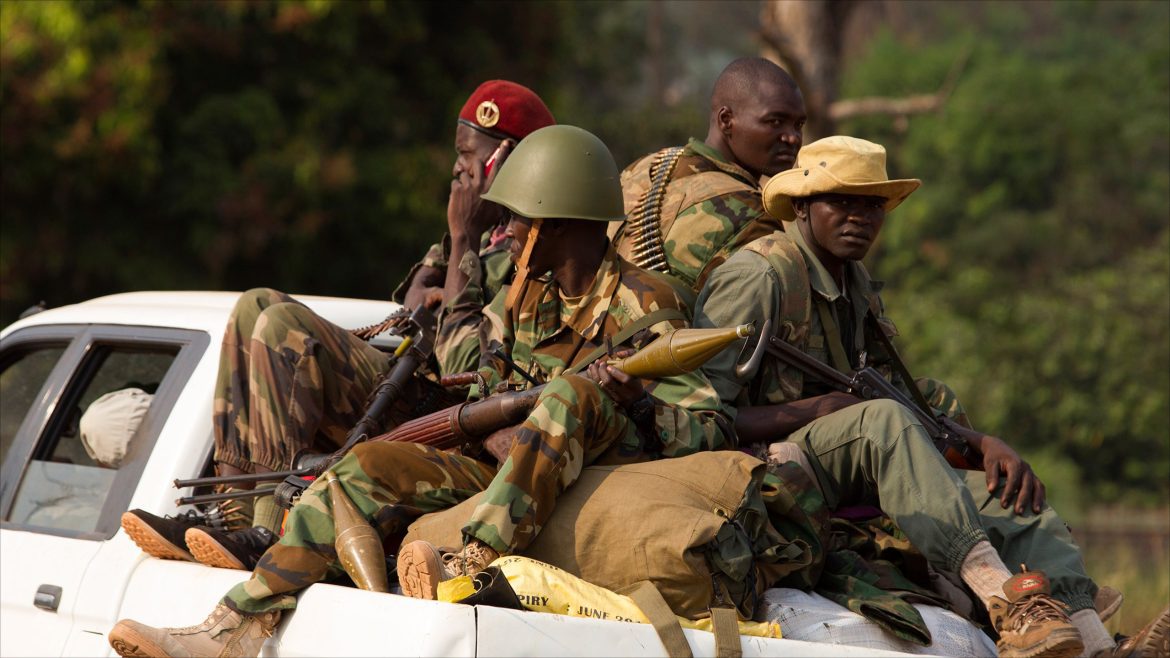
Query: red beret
pixel 505 109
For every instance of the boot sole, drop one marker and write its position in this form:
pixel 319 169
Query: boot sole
pixel 1157 641
pixel 210 552
pixel 420 571
pixel 129 643
pixel 1062 643
pixel 151 541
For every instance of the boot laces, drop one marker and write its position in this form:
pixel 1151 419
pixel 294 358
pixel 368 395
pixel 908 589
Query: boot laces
pixel 1036 609
pixel 474 556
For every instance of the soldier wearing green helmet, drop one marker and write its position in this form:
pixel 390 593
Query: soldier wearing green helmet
pixel 572 298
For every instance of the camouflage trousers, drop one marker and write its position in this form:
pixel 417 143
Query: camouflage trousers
pixel 574 424
pixel 288 380
pixel 876 453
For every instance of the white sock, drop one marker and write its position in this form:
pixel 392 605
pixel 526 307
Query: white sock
pixel 984 572
pixel 1093 632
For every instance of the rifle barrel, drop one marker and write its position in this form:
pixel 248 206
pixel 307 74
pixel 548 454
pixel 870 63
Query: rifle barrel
pixel 270 476
pixel 229 495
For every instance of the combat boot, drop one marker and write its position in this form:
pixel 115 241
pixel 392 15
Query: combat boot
pixel 240 549
pixel 1153 641
pixel 224 633
pixel 1032 624
pixel 421 566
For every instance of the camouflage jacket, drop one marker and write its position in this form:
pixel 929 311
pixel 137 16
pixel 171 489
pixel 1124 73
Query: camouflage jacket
pixel 487 271
pixel 545 334
pixel 777 277
pixel 710 208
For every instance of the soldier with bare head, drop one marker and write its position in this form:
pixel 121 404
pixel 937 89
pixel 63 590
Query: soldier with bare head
pixel 691 206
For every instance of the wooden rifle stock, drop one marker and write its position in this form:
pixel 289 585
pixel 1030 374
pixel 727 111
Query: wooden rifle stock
pixel 466 423
pixel 867 384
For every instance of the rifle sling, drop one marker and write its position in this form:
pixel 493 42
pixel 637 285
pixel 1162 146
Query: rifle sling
pixel 644 322
pixel 899 365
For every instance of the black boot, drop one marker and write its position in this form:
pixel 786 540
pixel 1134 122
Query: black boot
pixel 162 537
pixel 239 549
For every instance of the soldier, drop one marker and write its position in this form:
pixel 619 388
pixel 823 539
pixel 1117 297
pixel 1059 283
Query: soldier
pixel 288 378
pixel 493 119
pixel 571 293
pixel 690 206
pixel 810 281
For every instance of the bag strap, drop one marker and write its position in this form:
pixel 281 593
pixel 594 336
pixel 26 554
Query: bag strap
pixel 650 601
pixel 725 625
pixel 644 322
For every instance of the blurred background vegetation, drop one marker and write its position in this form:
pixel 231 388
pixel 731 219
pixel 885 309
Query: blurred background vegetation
pixel 307 146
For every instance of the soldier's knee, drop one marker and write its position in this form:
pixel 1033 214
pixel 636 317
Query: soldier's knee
pixel 889 422
pixel 572 390
pixel 274 322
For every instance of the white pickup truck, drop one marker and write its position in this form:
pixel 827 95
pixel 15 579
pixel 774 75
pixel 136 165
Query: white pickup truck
pixel 68 572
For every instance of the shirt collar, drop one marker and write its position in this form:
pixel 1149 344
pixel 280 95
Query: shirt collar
pixel 588 318
pixel 717 159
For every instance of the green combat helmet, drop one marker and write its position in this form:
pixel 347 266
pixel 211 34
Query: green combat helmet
pixel 561 172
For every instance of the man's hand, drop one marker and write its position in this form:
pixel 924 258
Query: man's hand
pixel 468 216
pixel 621 387
pixel 1021 483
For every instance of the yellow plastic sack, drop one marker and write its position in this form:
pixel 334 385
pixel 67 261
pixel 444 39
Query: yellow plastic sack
pixel 544 588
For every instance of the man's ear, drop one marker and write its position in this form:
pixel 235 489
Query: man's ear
pixel 724 117
pixel 800 208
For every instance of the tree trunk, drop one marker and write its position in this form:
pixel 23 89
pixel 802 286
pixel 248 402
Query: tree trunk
pixel 805 38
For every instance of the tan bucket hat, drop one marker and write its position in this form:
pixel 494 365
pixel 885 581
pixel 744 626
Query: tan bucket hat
pixel 837 164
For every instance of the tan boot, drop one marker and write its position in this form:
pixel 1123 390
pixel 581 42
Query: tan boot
pixel 1153 641
pixel 1107 602
pixel 421 566
pixel 1032 624
pixel 224 633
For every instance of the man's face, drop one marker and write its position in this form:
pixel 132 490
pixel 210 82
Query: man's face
pixel 840 227
pixel 472 149
pixel 518 229
pixel 765 131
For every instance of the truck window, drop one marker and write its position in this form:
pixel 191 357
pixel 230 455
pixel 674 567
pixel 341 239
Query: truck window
pixel 68 479
pixel 21 378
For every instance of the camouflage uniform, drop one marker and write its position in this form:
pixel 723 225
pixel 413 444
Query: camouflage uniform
pixel 710 208
pixel 944 515
pixel 487 272
pixel 573 424
pixel 288 380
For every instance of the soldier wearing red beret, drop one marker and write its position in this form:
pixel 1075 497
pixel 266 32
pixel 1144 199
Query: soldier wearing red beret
pixel 470 265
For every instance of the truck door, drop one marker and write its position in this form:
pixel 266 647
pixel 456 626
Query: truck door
pixel 60 499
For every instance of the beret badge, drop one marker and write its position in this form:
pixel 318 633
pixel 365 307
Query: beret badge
pixel 487 114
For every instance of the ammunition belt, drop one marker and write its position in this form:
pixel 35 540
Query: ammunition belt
pixel 645 226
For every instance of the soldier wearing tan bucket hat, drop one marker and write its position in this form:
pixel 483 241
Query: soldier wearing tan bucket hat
pixel 809 282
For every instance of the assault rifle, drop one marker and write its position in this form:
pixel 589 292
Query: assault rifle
pixel 865 383
pixel 411 353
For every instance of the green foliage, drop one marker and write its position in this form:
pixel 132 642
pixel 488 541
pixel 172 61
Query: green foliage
pixel 1032 269
pixel 307 146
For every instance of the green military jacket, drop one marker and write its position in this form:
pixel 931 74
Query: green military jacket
pixel 545 334
pixel 710 208
pixel 487 271
pixel 777 277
